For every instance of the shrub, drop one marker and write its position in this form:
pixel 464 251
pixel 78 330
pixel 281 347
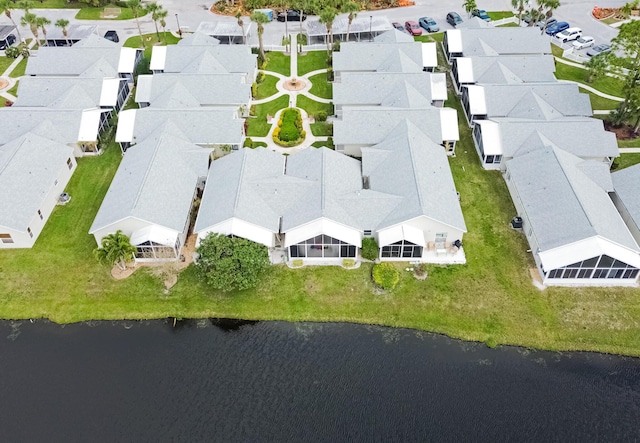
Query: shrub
pixel 289 131
pixel 348 263
pixel 321 116
pixel 254 89
pixel 330 76
pixel 253 110
pixel 260 77
pixel 369 249
pixel 420 270
pixel 297 263
pixel 385 275
pixel 248 143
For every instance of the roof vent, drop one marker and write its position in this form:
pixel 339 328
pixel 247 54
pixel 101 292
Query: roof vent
pixel 365 182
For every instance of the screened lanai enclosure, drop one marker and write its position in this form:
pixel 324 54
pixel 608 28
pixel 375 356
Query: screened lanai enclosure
pixel 322 246
pixel 602 267
pixel 362 28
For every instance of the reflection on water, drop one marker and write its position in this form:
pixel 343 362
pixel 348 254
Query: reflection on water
pixel 217 379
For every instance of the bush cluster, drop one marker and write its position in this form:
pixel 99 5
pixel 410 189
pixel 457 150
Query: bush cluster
pixel 254 90
pixel 321 116
pixel 369 249
pixel 385 275
pixel 260 77
pixel 289 131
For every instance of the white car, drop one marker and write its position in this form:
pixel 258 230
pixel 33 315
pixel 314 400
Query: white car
pixel 569 34
pixel 583 42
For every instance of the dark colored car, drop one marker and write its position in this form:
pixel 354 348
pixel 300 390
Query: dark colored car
pixel 599 49
pixel 292 15
pixel 557 27
pixel 413 28
pixel 482 14
pixel 550 22
pixel 399 27
pixel 429 24
pixel 453 18
pixel 4 44
pixel 112 36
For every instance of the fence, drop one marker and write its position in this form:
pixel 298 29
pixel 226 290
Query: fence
pixel 504 21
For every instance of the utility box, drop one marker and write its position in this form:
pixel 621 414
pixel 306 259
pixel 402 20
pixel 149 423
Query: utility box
pixel 267 12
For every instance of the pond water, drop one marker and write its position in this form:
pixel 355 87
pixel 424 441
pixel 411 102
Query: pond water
pixel 222 380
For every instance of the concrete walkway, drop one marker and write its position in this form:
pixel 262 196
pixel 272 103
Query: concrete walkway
pixel 293 98
pixel 11 81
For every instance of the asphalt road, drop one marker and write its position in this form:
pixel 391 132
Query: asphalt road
pixel 191 12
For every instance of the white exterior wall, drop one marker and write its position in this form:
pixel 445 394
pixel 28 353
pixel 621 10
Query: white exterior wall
pixel 354 150
pixel 127 225
pixel 429 228
pixel 240 228
pixel 323 226
pixel 22 239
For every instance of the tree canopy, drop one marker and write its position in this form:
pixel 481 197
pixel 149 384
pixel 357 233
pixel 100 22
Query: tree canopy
pixel 116 249
pixel 626 54
pixel 231 263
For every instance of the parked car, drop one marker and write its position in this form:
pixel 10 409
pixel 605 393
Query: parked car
pixel 112 36
pixel 429 24
pixel 557 27
pixel 413 28
pixel 482 14
pixel 10 40
pixel 399 27
pixel 583 42
pixel 569 34
pixel 599 49
pixel 453 18
pixel 291 15
pixel 549 22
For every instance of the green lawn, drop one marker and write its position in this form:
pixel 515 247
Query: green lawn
pixel 320 86
pixel 322 129
pixel 258 126
pixel 437 37
pixel 634 143
pixel 598 102
pixel 14 90
pixel 18 71
pixel 54 4
pixel 509 25
pixel 268 87
pixel 5 62
pixel 313 107
pixel 312 61
pixel 87 13
pixel 278 62
pixel 497 15
pixel 608 85
pixel 150 40
pixel 626 160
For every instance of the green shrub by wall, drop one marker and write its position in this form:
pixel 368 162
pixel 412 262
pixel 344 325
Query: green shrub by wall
pixel 369 249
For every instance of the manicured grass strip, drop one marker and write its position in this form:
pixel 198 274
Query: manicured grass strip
pixel 320 86
pixel 312 61
pixel 598 102
pixel 96 14
pixel 151 39
pixel 18 71
pixel 634 143
pixel 257 126
pixel 14 91
pixel 278 62
pixel 268 87
pixel 322 129
pixel 5 62
pixel 626 160
pixel 313 107
pixel 498 15
pixel 608 85
pixel 509 25
pixel 437 37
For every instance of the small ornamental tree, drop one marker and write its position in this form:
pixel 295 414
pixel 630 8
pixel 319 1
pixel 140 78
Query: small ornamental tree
pixel 231 263
pixel 385 275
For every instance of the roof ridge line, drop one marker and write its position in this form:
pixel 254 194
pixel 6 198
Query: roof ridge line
pixel 147 171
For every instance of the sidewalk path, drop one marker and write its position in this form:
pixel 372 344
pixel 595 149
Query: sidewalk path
pixel 11 81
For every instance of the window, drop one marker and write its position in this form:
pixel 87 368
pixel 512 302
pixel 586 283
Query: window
pixel 6 238
pixel 367 232
pixel 489 159
pixel 153 250
pixel 597 267
pixel 69 163
pixel 322 246
pixel 40 214
pixel 29 232
pixel 402 249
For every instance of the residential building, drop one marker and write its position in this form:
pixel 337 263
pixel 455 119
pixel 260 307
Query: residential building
pixel 626 198
pixel 74 33
pixel 225 31
pixel 151 197
pixel 34 171
pixel 576 234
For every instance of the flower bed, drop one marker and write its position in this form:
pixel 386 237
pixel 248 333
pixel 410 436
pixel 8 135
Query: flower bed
pixel 289 131
pixel 603 13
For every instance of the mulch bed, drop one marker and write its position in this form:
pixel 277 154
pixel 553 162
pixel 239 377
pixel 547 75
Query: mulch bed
pixel 623 132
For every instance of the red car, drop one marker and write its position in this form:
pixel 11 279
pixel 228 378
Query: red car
pixel 413 28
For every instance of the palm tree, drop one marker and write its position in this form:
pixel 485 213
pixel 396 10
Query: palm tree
pixel 154 9
pixel 241 24
pixel 42 22
pixel 469 5
pixel 520 5
pixel 6 6
pixel 327 16
pixel 352 8
pixel 63 23
pixel 137 9
pixel 260 19
pixel 550 6
pixel 162 15
pixel 31 20
pixel 116 250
